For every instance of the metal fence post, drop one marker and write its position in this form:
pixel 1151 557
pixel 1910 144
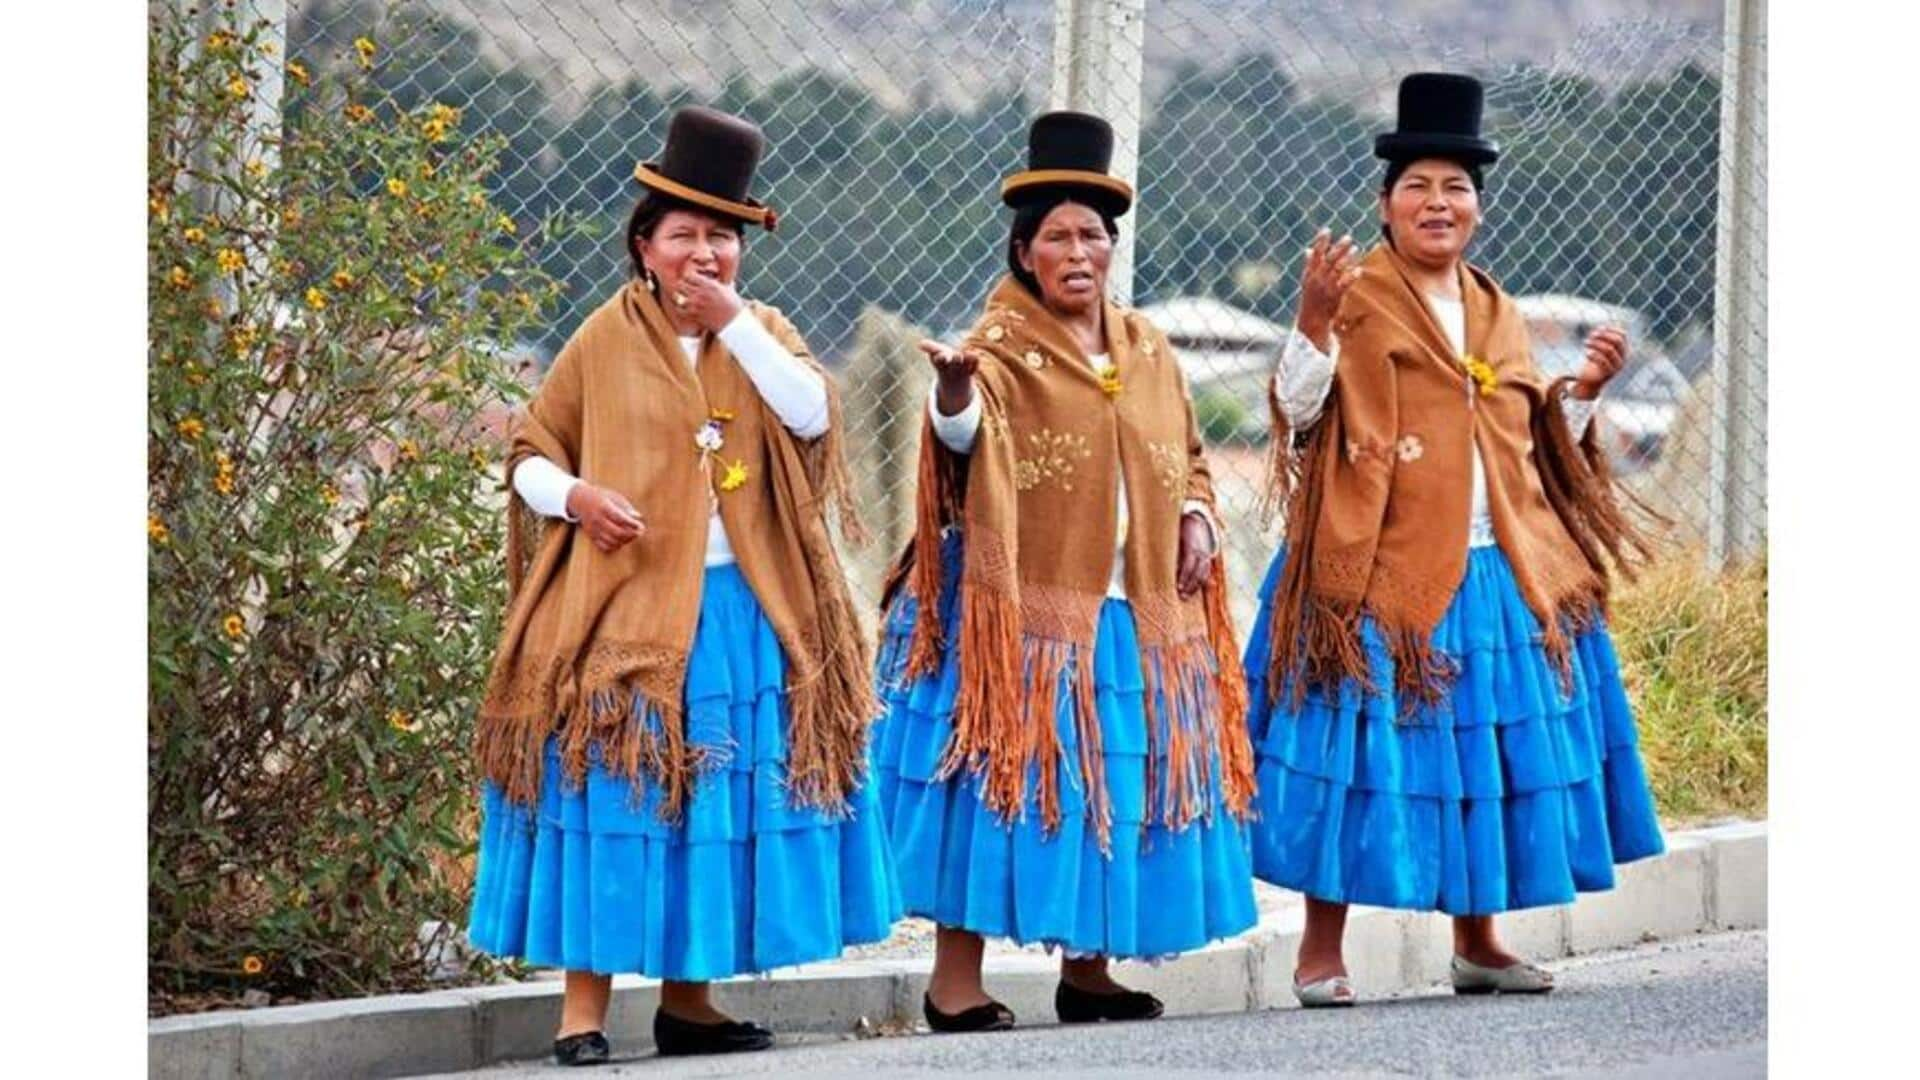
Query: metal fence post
pixel 1099 51
pixel 1736 525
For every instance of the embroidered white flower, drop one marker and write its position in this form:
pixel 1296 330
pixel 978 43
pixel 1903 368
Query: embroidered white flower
pixel 1410 448
pixel 708 438
pixel 996 332
pixel 1353 451
pixel 1034 360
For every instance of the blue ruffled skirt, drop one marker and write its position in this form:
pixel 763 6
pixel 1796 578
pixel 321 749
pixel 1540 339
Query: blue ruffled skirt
pixel 591 879
pixel 1159 892
pixel 1512 793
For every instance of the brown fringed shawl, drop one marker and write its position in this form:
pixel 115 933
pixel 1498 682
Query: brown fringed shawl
pixel 1036 504
pixel 595 645
pixel 1379 497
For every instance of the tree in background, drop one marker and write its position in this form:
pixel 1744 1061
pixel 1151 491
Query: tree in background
pixel 330 315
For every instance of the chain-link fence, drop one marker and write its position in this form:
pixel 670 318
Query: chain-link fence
pixel 1630 192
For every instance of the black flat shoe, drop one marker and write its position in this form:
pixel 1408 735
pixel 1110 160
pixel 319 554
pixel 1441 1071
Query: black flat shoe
pixel 586 1048
pixel 1077 1006
pixel 992 1016
pixel 675 1037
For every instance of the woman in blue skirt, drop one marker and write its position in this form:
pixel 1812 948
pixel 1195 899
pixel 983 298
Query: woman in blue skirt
pixel 1442 725
pixel 1063 760
pixel 674 733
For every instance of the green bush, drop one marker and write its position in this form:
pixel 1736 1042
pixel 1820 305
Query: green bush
pixel 1693 648
pixel 324 527
pixel 1223 418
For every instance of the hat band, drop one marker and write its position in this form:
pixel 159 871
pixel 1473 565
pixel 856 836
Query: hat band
pixel 1062 177
pixel 763 216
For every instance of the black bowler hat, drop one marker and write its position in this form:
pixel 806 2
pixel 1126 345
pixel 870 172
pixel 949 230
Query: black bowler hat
pixel 1439 117
pixel 709 162
pixel 1069 151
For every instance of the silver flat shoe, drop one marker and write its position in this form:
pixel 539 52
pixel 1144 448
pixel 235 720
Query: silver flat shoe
pixel 1519 977
pixel 1333 992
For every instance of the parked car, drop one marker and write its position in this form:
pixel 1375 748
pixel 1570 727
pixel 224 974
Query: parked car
pixel 1641 404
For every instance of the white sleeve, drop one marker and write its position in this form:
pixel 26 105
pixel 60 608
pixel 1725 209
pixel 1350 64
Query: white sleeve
pixel 1579 413
pixel 545 487
pixel 1195 506
pixel 955 432
pixel 1303 378
pixel 796 392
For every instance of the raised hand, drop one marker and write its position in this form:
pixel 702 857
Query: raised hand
pixel 711 302
pixel 953 370
pixel 605 515
pixel 1606 355
pixel 1330 270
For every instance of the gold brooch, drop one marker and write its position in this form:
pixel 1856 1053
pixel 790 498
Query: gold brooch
pixel 1482 374
pixel 1110 383
pixel 735 476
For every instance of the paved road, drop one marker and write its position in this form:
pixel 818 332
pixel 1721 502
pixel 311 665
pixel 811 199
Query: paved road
pixel 1695 1009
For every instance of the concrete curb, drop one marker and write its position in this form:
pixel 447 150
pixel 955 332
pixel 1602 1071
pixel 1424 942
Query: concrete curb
pixel 1709 880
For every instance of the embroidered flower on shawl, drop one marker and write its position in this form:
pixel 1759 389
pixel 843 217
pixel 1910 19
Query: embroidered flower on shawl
pixel 1034 359
pixel 709 438
pixel 735 476
pixel 1410 448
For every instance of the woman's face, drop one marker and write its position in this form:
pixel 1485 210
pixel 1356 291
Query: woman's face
pixel 1068 256
pixel 687 242
pixel 1433 210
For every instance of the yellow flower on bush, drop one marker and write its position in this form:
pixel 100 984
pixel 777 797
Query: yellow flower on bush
pixel 223 473
pixel 230 260
pixel 239 87
pixel 409 450
pixel 401 720
pixel 396 187
pixel 291 217
pixel 157 206
pixel 507 226
pixel 316 299
pixel 329 494
pixel 1482 374
pixel 194 235
pixel 358 113
pixel 477 199
pixel 157 529
pixel 179 277
pixel 191 428
pixel 195 376
pixel 234 626
pixel 342 279
pixel 256 168
pixel 218 40
pixel 297 71
pixel 434 130
pixel 253 965
pixel 243 337
pixel 365 48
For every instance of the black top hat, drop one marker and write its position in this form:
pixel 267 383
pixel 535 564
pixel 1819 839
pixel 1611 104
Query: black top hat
pixel 1439 117
pixel 709 162
pixel 1069 151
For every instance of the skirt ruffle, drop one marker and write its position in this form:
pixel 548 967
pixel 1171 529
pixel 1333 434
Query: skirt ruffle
pixel 1515 791
pixel 1156 893
pixel 590 879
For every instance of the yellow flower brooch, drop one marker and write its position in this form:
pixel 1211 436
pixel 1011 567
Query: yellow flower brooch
pixel 1482 374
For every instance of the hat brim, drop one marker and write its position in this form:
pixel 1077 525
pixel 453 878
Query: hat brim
pixel 1111 192
pixel 752 211
pixel 1466 149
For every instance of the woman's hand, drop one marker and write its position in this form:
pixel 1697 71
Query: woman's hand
pixel 1606 355
pixel 953 370
pixel 1196 552
pixel 1330 271
pixel 711 302
pixel 605 515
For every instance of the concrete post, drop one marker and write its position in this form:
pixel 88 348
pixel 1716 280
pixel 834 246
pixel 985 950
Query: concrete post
pixel 1736 524
pixel 1099 50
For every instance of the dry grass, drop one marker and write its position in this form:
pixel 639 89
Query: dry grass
pixel 1694 648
